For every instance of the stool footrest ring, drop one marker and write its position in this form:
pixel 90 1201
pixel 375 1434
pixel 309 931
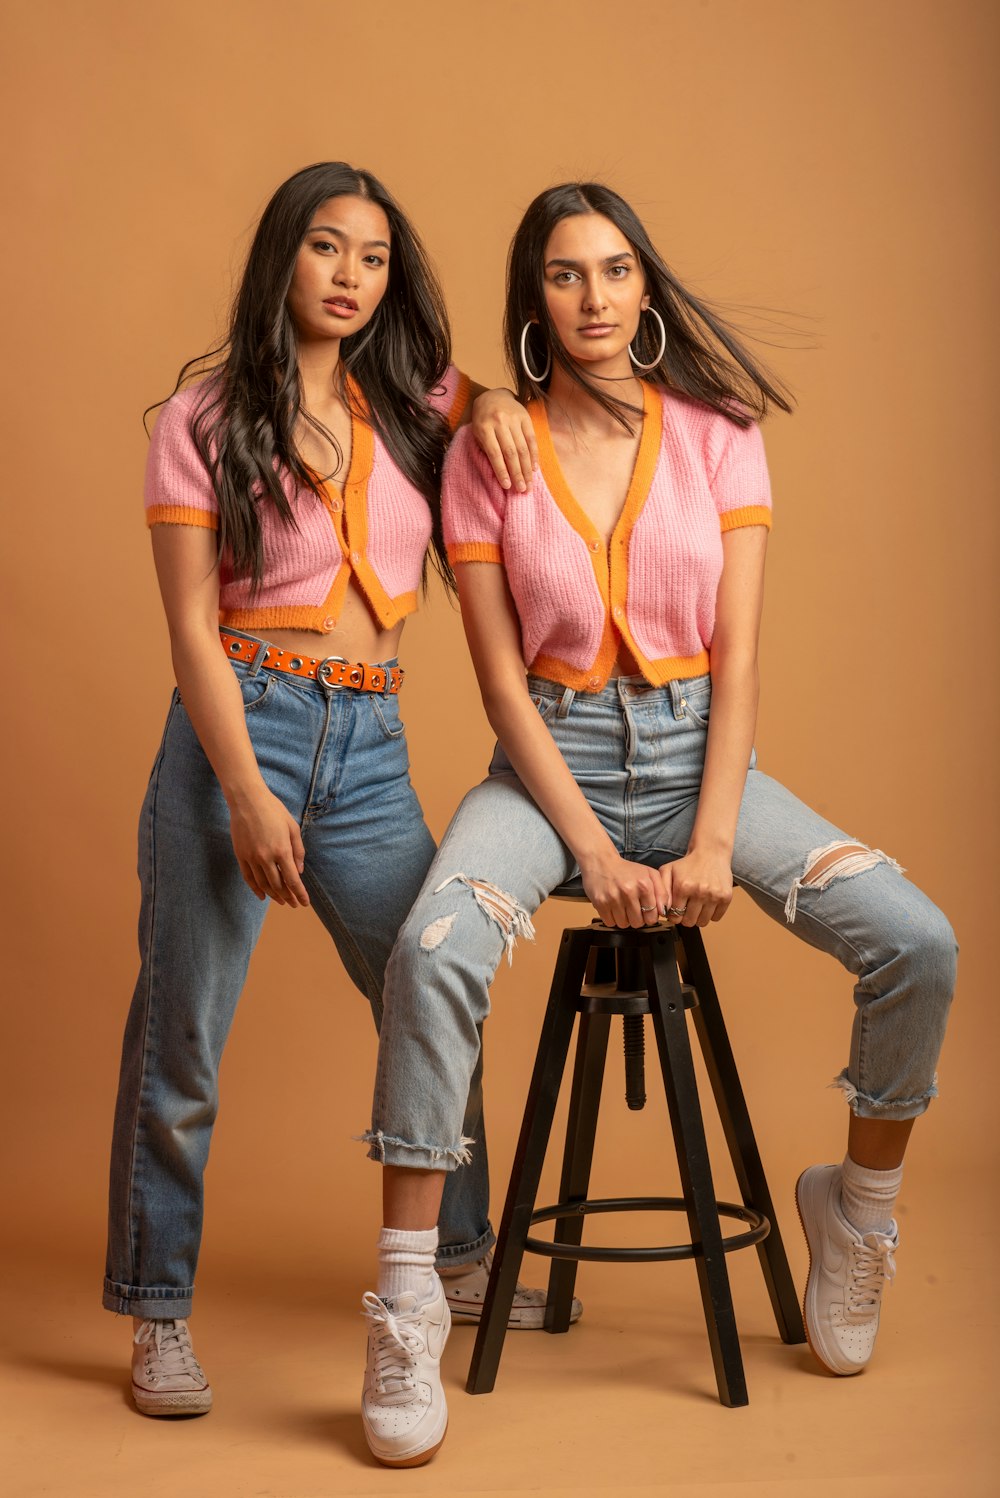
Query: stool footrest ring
pixel 758 1227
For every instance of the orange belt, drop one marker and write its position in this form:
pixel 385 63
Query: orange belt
pixel 332 671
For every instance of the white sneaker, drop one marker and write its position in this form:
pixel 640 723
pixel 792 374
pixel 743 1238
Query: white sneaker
pixel 167 1378
pixel 848 1271
pixel 402 1404
pixel 465 1289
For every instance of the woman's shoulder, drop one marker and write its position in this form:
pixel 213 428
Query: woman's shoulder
pixel 186 404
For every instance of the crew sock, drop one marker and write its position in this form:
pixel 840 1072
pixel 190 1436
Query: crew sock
pixel 869 1196
pixel 406 1262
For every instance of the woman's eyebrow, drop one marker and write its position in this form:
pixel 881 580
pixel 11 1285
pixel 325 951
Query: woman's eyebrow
pixel 576 264
pixel 329 229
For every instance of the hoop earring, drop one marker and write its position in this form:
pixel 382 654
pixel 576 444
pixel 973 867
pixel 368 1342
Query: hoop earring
pixel 663 343
pixel 536 379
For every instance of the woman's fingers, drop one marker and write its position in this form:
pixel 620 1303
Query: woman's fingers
pixel 498 462
pixel 251 880
pixel 528 433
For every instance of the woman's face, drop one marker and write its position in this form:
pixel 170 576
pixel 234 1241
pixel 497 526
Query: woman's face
pixel 594 288
pixel 341 271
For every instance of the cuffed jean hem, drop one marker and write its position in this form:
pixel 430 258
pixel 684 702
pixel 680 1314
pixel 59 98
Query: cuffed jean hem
pixel 453 1255
pixel 888 1110
pixel 161 1303
pixel 386 1149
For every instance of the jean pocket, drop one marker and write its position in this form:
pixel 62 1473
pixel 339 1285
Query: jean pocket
pixel 387 716
pixel 256 690
pixel 696 707
pixel 543 705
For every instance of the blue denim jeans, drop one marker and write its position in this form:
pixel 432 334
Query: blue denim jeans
pixel 637 753
pixel 338 761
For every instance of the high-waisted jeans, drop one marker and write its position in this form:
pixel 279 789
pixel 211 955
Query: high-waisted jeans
pixel 637 753
pixel 338 761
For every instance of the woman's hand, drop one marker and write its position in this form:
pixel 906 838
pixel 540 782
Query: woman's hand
pixel 503 429
pixel 268 846
pixel 625 894
pixel 701 885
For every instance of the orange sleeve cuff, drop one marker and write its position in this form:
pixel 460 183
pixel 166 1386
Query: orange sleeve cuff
pixel 461 399
pixel 474 551
pixel 732 520
pixel 181 515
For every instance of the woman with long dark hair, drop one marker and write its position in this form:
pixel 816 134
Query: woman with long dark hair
pixel 627 584
pixel 292 492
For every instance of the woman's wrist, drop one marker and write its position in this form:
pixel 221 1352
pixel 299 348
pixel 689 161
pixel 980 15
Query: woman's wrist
pixel 240 795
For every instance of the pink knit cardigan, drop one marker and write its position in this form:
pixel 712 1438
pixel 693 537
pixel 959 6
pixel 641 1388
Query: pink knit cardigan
pixel 377 531
pixel 696 475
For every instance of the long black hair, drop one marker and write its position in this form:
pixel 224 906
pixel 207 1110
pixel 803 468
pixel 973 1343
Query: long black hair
pixel 245 425
pixel 703 358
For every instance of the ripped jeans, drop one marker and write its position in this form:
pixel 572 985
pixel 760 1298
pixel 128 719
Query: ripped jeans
pixel 637 753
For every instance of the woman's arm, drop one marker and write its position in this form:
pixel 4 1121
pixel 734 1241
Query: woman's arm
pixel 266 837
pixel 703 879
pixel 616 888
pixel 503 429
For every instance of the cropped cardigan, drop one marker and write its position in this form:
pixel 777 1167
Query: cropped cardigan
pixel 376 532
pixel 697 474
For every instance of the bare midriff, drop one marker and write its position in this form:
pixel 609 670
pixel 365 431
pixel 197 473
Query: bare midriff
pixel 358 636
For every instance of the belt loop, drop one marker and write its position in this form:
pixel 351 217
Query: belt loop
pixel 565 703
pixel 258 659
pixel 677 699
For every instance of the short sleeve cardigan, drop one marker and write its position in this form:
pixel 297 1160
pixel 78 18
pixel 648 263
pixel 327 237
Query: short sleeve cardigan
pixel 377 531
pixel 697 474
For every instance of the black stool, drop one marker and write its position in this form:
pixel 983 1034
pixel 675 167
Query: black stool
pixel 662 972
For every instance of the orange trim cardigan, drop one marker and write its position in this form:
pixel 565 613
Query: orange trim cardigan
pixel 377 531
pixel 697 474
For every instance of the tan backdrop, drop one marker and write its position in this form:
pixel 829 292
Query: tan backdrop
pixel 829 159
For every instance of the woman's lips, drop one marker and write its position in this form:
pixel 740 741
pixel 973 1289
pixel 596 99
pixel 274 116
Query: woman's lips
pixel 340 308
pixel 597 329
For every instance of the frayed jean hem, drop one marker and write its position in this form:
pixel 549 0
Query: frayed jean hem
pixel 386 1149
pixel 889 1110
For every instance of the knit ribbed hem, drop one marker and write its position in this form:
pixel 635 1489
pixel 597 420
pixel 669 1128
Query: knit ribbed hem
pixel 657 673
pixel 315 620
pixel 732 520
pixel 474 551
pixel 181 515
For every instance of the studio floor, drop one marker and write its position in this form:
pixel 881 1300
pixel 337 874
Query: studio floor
pixel 625 1403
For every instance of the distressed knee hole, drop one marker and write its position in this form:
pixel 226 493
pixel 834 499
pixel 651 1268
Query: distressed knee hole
pixel 433 935
pixel 502 908
pixel 839 860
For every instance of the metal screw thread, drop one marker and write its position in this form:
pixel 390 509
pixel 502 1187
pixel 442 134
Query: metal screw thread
pixel 634 1036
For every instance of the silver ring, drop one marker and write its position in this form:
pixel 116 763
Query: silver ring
pixel 676 910
pixel 647 908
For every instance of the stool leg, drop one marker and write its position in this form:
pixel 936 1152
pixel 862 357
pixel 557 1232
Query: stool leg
pixel 670 1025
pixel 735 1117
pixel 543 1093
pixel 581 1131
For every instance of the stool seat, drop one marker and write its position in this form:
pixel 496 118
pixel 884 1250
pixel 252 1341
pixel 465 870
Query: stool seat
pixel 603 973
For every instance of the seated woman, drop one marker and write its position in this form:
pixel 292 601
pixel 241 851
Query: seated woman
pixel 629 582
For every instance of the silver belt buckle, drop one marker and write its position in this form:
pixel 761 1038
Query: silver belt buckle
pixel 321 672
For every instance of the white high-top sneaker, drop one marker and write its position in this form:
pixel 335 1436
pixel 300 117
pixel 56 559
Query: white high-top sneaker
pixel 403 1406
pixel 465 1290
pixel 167 1378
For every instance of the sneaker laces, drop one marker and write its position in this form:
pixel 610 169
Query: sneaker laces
pixel 872 1267
pixel 174 1353
pixel 396 1344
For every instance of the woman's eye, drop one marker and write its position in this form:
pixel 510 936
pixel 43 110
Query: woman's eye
pixel 618 272
pixel 374 260
pixel 323 245
pixel 564 277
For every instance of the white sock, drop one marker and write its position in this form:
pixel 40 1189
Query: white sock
pixel 406 1262
pixel 868 1196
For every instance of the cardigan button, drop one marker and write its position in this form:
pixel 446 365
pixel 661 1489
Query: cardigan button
pixel 618 611
pixel 595 681
pixel 329 622
pixel 595 545
pixel 355 557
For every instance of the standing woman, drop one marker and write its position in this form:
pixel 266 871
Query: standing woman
pixel 292 494
pixel 628 582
